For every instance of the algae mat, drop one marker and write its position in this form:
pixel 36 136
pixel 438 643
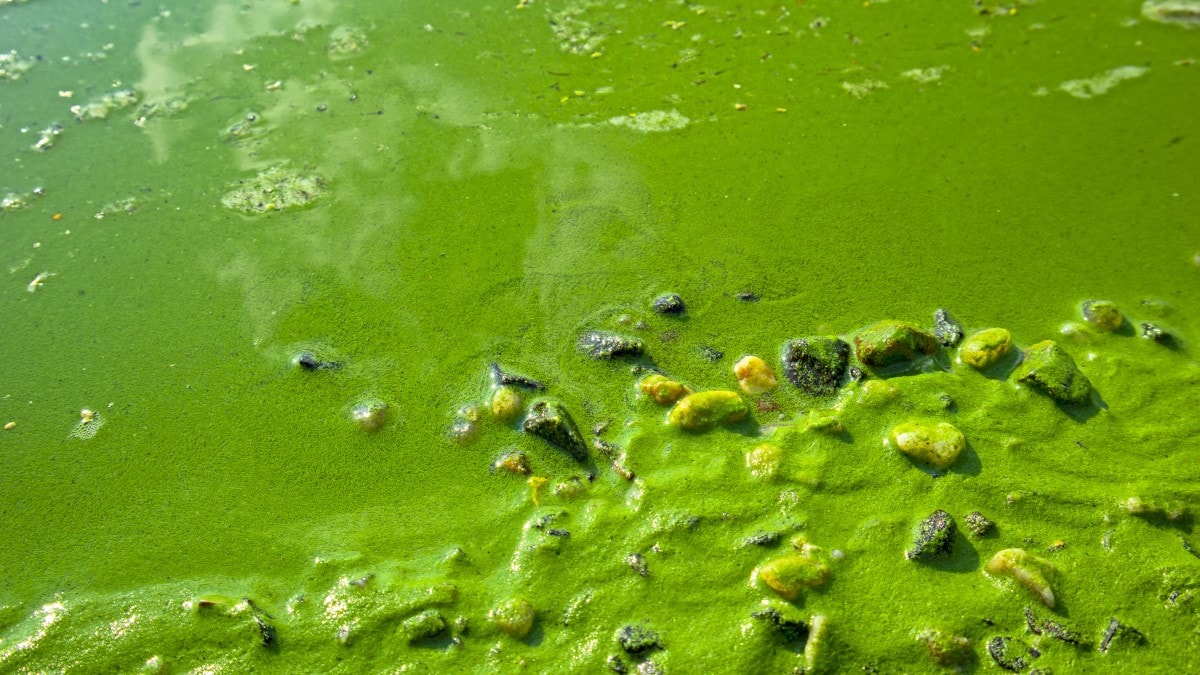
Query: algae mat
pixel 260 256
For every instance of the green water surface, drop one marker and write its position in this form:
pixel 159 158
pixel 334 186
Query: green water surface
pixel 485 181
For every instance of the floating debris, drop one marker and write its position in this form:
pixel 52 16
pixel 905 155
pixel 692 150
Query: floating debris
pixel 1116 629
pixel 38 281
pixel 1102 314
pixel 600 344
pixel 764 460
pixel 889 343
pixel 986 348
pixel 946 649
pixel 816 365
pixel 947 329
pixel 979 524
pixel 863 89
pixel 1179 12
pixel 1027 569
pixel 1094 86
pixel 638 638
pixel 100 108
pixel 790 574
pixel 502 378
pixel 661 389
pixel 89 423
pixel 370 414
pixel 48 137
pixel 129 205
pixel 13 65
pixel 346 42
pixel 1008 653
pixel 925 75
pixel 506 404
pixel 274 189
pixel 651 122
pixel 669 303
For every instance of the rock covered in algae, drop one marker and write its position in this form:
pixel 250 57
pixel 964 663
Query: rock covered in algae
pixel 602 344
pixel 946 649
pixel 986 347
pixel 669 303
pixel 706 409
pixel 979 524
pixel 663 390
pixel 1026 569
pixel 1103 314
pixel 888 343
pixel 638 638
pixel 370 414
pixel 423 626
pixel 1008 653
pixel 816 365
pixel 764 460
pixel 274 189
pixel 938 445
pixel 1052 371
pixel 790 574
pixel 513 616
pixel 754 376
pixel 505 404
pixel 934 537
pixel 550 421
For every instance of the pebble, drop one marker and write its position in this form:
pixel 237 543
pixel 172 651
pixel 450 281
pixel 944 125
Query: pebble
pixel 663 390
pixel 938 445
pixel 946 649
pixel 370 414
pixel 505 404
pixel 979 524
pixel 986 347
pixel 1103 314
pixel 790 574
pixel 1027 569
pixel 754 375
pixel 514 616
pixel 764 460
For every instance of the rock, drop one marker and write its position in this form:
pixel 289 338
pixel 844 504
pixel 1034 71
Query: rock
pixel 500 378
pixel 790 574
pixel 1103 315
pixel 986 347
pixel 637 563
pixel 1027 569
pixel 370 414
pixel 637 638
pixel 1172 511
pixel 600 344
pixel 422 626
pixel 764 460
pixel 888 343
pixel 662 390
pixel 505 403
pixel 706 409
pixel 816 365
pixel 791 630
pixel 946 649
pixel 933 538
pixel 750 296
pixel 669 303
pixel 946 328
pixel 979 524
pixel 938 445
pixel 823 423
pixel 754 375
pixel 1008 653
pixel 513 616
pixel 1154 332
pixel 1052 371
pixel 762 538
pixel 1116 629
pixel 311 362
pixel 710 354
pixel 550 421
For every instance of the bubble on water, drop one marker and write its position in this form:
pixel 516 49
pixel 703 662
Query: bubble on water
pixel 1094 86
pixel 652 121
pixel 274 189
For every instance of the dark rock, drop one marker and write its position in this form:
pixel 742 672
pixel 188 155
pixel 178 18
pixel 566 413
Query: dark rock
pixel 1052 371
pixel 637 638
pixel 670 303
pixel 791 630
pixel 710 354
pixel 979 524
pixel 551 422
pixel 816 365
pixel 637 563
pixel 763 538
pixel 890 343
pixel 747 296
pixel 310 362
pixel 1154 332
pixel 555 532
pixel 1116 629
pixel 934 537
pixel 1008 653
pixel 600 344
pixel 616 665
pixel 947 330
pixel 500 378
pixel 856 374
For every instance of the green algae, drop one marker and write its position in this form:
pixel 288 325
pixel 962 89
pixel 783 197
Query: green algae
pixel 473 214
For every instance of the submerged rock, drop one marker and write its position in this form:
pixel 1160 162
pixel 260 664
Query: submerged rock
pixel 764 460
pixel 423 626
pixel 938 445
pixel 502 378
pixel 706 409
pixel 1008 653
pixel 601 344
pixel 888 343
pixel 663 390
pixel 946 649
pixel 1154 332
pixel 669 303
pixel 791 630
pixel 370 414
pixel 816 365
pixel 514 616
pixel 505 404
pixel 986 347
pixel 1027 569
pixel 550 421
pixel 754 375
pixel 311 362
pixel 1115 629
pixel 979 524
pixel 1053 372
pixel 638 638
pixel 1103 314
pixel 933 538
pixel 946 328
pixel 790 574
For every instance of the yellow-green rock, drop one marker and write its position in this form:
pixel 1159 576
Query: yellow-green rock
pixel 706 409
pixel 754 375
pixel 764 460
pixel 663 390
pixel 1052 371
pixel 1027 569
pixel 790 574
pixel 985 348
pixel 514 616
pixel 937 444
pixel 1103 314
pixel 891 342
pixel 505 404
